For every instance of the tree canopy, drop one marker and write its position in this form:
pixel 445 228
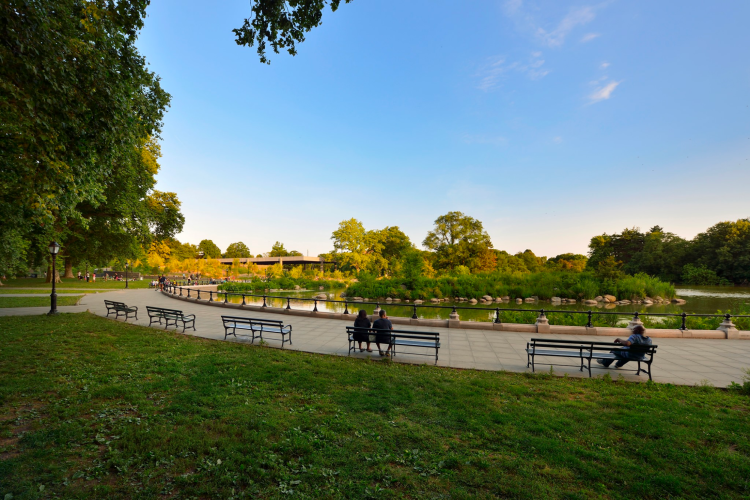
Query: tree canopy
pixel 209 249
pixel 237 250
pixel 281 23
pixel 77 101
pixel 457 239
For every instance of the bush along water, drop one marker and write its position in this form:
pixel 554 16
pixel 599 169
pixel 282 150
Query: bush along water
pixel 257 285
pixel 543 285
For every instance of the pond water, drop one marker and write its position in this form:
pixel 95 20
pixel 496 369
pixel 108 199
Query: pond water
pixel 700 300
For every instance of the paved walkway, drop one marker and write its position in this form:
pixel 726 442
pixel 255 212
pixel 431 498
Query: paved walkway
pixel 678 361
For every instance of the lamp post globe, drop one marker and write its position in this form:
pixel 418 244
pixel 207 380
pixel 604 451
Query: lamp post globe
pixel 54 249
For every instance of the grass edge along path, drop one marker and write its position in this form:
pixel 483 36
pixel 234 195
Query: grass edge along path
pixel 91 407
pixel 43 300
pixel 99 284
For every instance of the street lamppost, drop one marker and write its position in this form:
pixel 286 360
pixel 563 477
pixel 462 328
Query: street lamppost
pixel 126 275
pixel 200 256
pixel 54 248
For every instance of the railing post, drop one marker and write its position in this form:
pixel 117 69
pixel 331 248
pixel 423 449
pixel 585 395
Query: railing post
pixel 188 293
pixel 210 295
pixel 264 301
pixel 684 325
pixel 226 297
pixel 414 315
pixel 589 324
pixel 288 304
pixel 199 294
pixel 180 291
pixel 315 309
pixel 497 315
pixel 346 307
pixel 243 299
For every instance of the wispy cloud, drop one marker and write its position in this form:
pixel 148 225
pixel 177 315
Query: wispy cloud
pixel 577 16
pixel 491 74
pixel 590 36
pixel 604 93
pixel 604 65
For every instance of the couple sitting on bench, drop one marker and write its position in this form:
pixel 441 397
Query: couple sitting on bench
pixel 381 337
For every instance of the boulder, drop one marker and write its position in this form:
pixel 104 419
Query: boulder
pixel 610 298
pixel 572 301
pixel 389 300
pixel 498 299
pixel 529 300
pixel 658 298
pixel 519 300
pixel 296 287
pixel 321 288
pixel 473 301
pixel 342 294
pixel 678 301
pixel 590 302
pixel 555 299
pixel 487 298
pixel 418 301
pixel 598 298
pixel 434 300
pixel 648 302
pixel 507 297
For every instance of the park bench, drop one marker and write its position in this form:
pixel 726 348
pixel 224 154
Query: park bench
pixel 256 326
pixel 586 352
pixel 170 316
pixel 400 338
pixel 119 308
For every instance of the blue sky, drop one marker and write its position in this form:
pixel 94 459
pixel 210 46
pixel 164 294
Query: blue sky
pixel 549 121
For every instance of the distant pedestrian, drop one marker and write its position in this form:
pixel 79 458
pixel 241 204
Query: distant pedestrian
pixel 382 333
pixel 362 322
pixel 79 275
pixel 93 277
pixel 624 354
pixel 88 277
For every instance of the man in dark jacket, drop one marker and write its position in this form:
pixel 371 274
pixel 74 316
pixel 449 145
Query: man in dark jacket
pixel 624 354
pixel 382 327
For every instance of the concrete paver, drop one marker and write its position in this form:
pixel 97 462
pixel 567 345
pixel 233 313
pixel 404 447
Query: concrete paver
pixel 677 361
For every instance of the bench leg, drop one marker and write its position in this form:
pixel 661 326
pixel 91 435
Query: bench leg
pixel 532 364
pixel 639 369
pixel 589 367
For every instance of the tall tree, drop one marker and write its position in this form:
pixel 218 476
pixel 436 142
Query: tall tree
pixel 354 246
pixel 457 239
pixel 281 23
pixel 75 97
pixel 237 250
pixel 209 249
pixel 725 249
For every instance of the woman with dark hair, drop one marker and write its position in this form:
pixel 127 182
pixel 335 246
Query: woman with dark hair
pixel 362 322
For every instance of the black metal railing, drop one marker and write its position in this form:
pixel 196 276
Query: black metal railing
pixel 542 313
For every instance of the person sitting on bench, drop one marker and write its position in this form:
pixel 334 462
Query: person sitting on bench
pixel 624 355
pixel 362 322
pixel 381 337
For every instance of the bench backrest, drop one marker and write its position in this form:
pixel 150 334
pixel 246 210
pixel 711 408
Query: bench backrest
pixel 396 333
pixel 590 346
pixel 161 310
pixel 252 321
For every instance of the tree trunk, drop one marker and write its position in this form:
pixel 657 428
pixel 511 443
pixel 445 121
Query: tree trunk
pixel 49 275
pixel 68 268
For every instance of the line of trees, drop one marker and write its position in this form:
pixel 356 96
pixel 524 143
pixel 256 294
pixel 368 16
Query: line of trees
pixel 458 244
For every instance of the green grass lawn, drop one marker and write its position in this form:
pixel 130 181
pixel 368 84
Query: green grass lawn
pixel 73 283
pixel 93 408
pixel 44 300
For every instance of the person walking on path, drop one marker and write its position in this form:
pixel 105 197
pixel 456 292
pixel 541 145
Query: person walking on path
pixel 362 322
pixel 382 327
pixel 624 354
